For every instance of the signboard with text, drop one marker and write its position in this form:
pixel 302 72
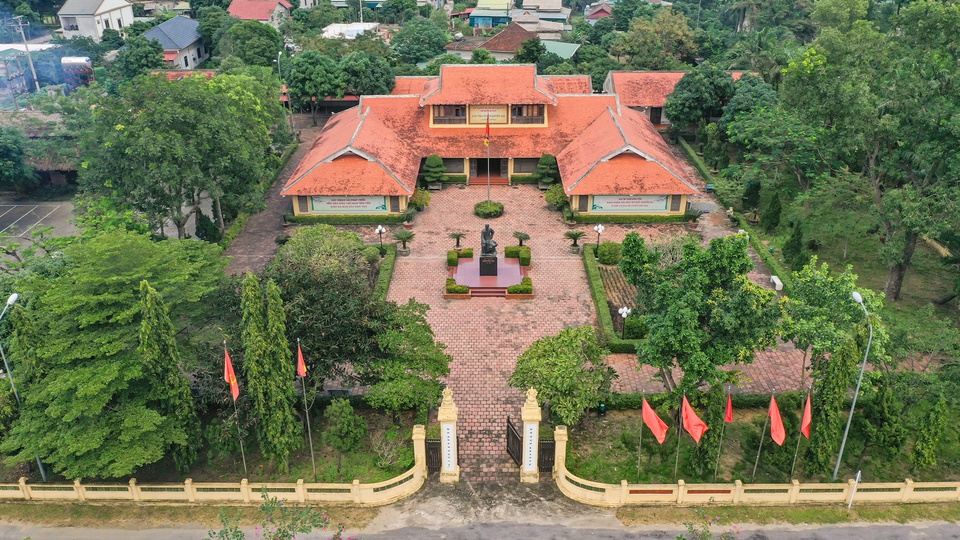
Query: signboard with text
pixel 629 204
pixel 349 205
pixel 498 114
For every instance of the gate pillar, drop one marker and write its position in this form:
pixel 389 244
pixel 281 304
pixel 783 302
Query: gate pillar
pixel 530 472
pixel 447 416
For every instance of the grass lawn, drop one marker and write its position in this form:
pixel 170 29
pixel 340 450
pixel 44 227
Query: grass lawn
pixel 795 515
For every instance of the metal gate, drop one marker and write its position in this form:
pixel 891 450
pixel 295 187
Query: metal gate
pixel 514 442
pixel 434 457
pixel 546 454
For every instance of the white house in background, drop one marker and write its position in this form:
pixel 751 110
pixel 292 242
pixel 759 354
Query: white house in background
pixel 348 30
pixel 89 18
pixel 181 40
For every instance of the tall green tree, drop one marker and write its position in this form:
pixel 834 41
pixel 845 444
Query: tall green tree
pixel 567 370
pixel 312 78
pixel 162 361
pixel 482 56
pixel 418 40
pixel 345 430
pixel 268 370
pixel 214 23
pixel 14 171
pixel 140 56
pixel 664 42
pixel 700 94
pixel 530 51
pixel 253 42
pixel 92 406
pixel 366 75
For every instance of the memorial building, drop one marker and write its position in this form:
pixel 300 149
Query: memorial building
pixel 611 158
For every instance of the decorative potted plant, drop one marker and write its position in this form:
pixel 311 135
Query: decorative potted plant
pixel 408 218
pixel 575 236
pixel 457 236
pixel 403 236
pixel 521 236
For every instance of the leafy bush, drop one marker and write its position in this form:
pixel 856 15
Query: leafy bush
pixel 386 271
pixel 453 288
pixel 206 228
pixel 609 253
pixel 403 236
pixel 488 209
pixel 433 169
pixel 371 254
pixel 511 252
pixel 466 253
pixel 420 199
pixel 524 256
pixel 556 197
pixel 547 169
pixel 454 179
pixel 525 287
pixel 234 230
pixel 452 257
pixel 523 179
pixel 635 327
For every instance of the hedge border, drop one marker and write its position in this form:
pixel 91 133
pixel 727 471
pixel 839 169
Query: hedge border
pixel 234 230
pixel 629 218
pixel 754 236
pixel 599 294
pixel 364 219
pixel 454 179
pixel 523 179
pixel 387 263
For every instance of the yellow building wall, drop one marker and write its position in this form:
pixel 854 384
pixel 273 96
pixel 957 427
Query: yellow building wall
pixel 575 201
pixel 304 200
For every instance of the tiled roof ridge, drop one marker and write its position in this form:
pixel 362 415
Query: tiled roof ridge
pixel 536 85
pixel 370 114
pixel 648 155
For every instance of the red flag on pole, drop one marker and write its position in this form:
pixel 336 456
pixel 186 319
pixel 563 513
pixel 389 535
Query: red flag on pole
pixel 777 431
pixel 728 417
pixel 807 419
pixel 656 425
pixel 229 376
pixel 486 134
pixel 301 365
pixel 691 422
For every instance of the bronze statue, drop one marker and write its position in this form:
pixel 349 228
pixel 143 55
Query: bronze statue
pixel 487 245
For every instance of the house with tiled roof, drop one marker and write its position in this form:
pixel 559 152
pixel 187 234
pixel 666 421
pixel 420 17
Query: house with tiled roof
pixel 647 91
pixel 595 12
pixel 181 41
pixel 272 12
pixel 89 18
pixel 611 158
pixel 505 44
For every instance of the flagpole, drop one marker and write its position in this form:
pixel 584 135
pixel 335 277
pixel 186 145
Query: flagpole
pixel 640 441
pixel 719 449
pixel 676 463
pixel 800 434
pixel 488 162
pixel 236 421
pixel 762 433
pixel 306 414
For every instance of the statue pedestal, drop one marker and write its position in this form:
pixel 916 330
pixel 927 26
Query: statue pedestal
pixel 488 265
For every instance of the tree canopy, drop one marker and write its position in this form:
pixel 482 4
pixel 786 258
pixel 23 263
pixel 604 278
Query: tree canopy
pixel 418 40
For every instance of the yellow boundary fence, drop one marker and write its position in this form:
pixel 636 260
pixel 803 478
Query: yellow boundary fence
pixel 737 493
pixel 243 492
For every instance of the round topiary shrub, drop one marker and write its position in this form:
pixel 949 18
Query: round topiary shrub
pixel 609 253
pixel 488 209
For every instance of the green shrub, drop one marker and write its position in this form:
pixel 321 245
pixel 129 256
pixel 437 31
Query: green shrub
pixel 488 209
pixel 420 199
pixel 770 219
pixel 547 169
pixel 525 287
pixel 206 228
pixel 556 197
pixel 523 179
pixel 433 169
pixel 371 254
pixel 452 257
pixel 386 271
pixel 453 288
pixel 454 179
pixel 609 253
pixel 635 327
pixel 466 253
pixel 234 230
pixel 361 219
pixel 524 256
pixel 511 252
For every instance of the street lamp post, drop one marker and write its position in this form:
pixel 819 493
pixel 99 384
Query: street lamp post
pixel 599 229
pixel 380 230
pixel 624 312
pixel 863 365
pixel 10 302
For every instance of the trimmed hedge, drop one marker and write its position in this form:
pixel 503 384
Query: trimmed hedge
pixel 626 218
pixel 234 230
pixel 284 159
pixel 365 219
pixel 523 179
pixel 525 287
pixel 755 237
pixel 466 253
pixel 609 335
pixel 453 257
pixel 488 209
pixel 454 179
pixel 386 270
pixel 518 252
pixel 524 256
pixel 453 288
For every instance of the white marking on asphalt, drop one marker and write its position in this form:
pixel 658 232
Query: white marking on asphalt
pixel 18 219
pixel 39 221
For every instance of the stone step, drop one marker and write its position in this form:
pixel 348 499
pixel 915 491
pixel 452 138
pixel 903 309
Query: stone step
pixel 488 292
pixel 494 181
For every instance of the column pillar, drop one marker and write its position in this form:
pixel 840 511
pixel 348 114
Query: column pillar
pixel 530 472
pixel 447 416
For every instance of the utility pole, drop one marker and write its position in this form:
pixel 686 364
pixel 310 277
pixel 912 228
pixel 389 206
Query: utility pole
pixel 26 48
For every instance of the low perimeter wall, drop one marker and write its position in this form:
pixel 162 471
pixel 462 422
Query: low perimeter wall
pixel 242 492
pixel 681 494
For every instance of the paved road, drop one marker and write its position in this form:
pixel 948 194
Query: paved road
pixel 509 531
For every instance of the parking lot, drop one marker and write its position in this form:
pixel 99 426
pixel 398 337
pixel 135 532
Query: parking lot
pixel 22 219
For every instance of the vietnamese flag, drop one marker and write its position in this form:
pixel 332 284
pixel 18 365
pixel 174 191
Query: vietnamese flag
pixel 807 419
pixel 301 366
pixel 656 425
pixel 486 134
pixel 691 422
pixel 229 376
pixel 728 417
pixel 777 431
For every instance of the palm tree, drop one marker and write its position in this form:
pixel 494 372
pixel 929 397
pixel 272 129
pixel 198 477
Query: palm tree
pixel 457 236
pixel 403 236
pixel 575 236
pixel 521 236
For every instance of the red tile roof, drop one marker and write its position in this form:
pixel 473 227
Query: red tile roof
pixel 591 135
pixel 485 84
pixel 406 86
pixel 569 84
pixel 255 10
pixel 508 40
pixel 599 12
pixel 647 88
